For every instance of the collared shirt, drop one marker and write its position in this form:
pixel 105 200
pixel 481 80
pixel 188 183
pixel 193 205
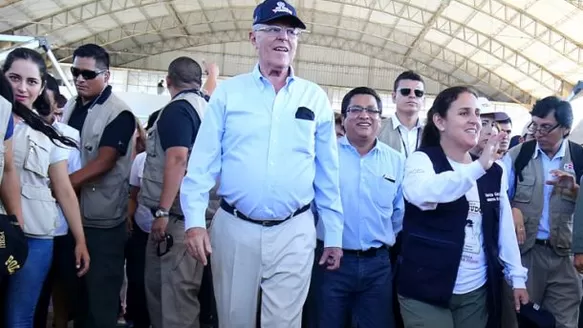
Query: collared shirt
pixel 274 153
pixel 548 164
pixel 372 198
pixel 410 139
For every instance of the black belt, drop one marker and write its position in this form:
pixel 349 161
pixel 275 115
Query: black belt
pixel 371 252
pixel 543 242
pixel 266 223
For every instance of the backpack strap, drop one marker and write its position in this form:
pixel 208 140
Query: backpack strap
pixel 522 159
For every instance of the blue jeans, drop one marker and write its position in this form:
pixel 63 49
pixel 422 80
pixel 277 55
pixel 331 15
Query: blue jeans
pixel 361 286
pixel 25 285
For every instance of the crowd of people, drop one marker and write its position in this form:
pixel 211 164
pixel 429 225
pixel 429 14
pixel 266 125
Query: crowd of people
pixel 251 204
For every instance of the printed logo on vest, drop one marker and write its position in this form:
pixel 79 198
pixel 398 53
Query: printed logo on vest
pixel 492 197
pixel 569 167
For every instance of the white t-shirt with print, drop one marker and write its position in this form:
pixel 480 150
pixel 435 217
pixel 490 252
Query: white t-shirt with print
pixel 472 273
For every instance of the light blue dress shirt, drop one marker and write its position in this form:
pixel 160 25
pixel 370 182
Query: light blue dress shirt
pixel 270 161
pixel 548 165
pixel 372 196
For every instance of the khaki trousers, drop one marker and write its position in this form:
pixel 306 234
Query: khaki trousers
pixel 465 311
pixel 553 283
pixel 172 282
pixel 256 267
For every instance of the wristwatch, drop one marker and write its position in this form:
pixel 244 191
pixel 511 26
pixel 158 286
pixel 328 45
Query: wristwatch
pixel 160 212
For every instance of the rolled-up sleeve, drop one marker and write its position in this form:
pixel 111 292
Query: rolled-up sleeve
pixel 204 164
pixel 327 178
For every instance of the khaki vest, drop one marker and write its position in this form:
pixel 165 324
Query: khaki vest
pixel 5 113
pixel 151 188
pixel 32 151
pixel 391 136
pixel 528 197
pixel 103 202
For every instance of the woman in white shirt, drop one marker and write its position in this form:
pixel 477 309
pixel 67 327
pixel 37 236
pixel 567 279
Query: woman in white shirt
pixel 42 166
pixel 458 233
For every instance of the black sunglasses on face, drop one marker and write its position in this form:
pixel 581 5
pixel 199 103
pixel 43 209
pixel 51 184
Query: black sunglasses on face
pixel 87 74
pixel 407 91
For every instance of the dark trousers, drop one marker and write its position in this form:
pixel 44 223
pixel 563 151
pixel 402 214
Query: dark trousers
pixel 361 287
pixel 62 273
pixel 394 253
pixel 99 289
pixel 137 309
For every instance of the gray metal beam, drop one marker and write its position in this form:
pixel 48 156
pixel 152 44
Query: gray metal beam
pixel 329 41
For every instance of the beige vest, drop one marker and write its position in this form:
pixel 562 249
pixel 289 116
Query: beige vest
pixel 104 201
pixel 152 180
pixel 529 196
pixel 390 135
pixel 5 113
pixel 32 151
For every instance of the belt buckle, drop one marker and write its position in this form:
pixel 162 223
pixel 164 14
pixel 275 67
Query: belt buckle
pixel 235 212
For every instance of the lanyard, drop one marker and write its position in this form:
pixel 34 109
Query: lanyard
pixel 403 141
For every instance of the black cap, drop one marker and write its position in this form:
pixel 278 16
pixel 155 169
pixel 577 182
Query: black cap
pixel 533 316
pixel 13 245
pixel 270 10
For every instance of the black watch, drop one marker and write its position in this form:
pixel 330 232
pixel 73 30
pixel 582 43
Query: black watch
pixel 160 212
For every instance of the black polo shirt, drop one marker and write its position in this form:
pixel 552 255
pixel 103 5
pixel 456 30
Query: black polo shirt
pixel 179 124
pixel 117 134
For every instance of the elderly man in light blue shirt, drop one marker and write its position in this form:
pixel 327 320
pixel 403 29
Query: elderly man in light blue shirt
pixel 268 137
pixel 371 174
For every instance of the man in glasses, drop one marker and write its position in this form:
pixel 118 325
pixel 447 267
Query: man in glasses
pixel 172 280
pixel 544 174
pixel 106 125
pixel 402 131
pixel 370 178
pixel 269 136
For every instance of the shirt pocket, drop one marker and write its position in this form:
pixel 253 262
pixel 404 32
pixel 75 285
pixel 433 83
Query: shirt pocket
pixel 386 190
pixel 37 158
pixel 524 190
pixel 304 136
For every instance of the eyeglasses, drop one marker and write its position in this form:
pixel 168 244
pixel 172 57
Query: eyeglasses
pixel 87 74
pixel 168 243
pixel 543 129
pixel 357 110
pixel 292 32
pixel 407 91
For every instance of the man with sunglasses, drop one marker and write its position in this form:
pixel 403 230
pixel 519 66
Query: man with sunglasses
pixel 106 125
pixel 543 180
pixel 172 280
pixel 269 136
pixel 402 131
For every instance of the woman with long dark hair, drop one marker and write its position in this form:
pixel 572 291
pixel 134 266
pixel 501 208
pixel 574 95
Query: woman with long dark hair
pixel 41 158
pixel 458 233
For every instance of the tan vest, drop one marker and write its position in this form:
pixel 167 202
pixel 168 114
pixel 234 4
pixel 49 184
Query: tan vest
pixel 153 178
pixel 390 135
pixel 104 201
pixel 5 113
pixel 32 151
pixel 529 196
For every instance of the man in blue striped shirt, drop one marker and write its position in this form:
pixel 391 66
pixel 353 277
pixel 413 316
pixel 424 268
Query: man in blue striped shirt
pixel 268 137
pixel 371 174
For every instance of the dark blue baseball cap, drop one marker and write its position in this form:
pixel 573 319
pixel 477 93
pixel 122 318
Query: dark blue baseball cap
pixel 270 10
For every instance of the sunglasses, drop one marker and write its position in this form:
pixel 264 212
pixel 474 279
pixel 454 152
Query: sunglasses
pixel 407 91
pixel 168 243
pixel 87 74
